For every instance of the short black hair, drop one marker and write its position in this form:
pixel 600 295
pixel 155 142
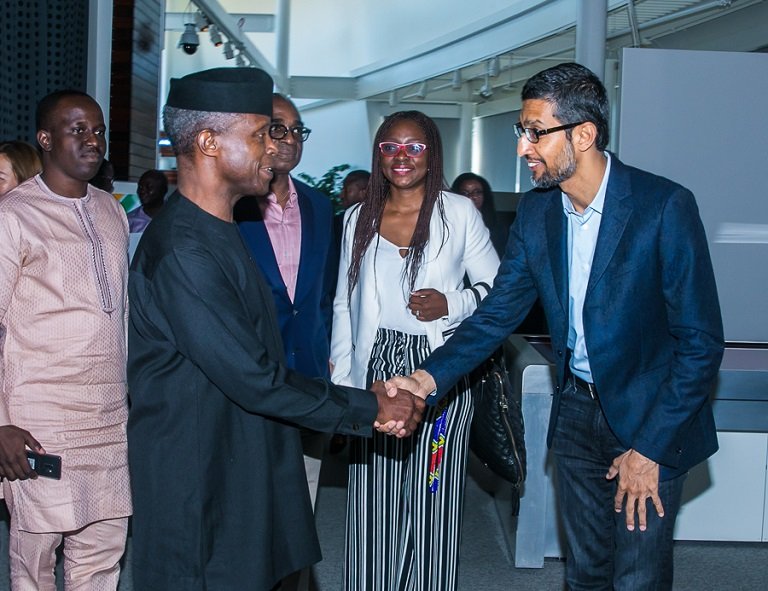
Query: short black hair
pixel 288 101
pixel 358 176
pixel 50 101
pixel 575 93
pixel 156 174
pixel 183 125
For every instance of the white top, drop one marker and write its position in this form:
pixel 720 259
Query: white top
pixel 461 245
pixel 390 267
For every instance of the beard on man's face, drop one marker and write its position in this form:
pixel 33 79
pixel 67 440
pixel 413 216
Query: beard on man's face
pixel 561 170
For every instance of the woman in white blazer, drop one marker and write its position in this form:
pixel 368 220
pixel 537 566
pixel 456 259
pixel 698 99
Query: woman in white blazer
pixel 400 295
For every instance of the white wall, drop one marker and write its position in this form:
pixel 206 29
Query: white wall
pixel 698 117
pixel 99 60
pixel 495 153
pixel 340 135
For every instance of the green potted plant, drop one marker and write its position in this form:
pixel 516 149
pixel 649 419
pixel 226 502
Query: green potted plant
pixel 329 184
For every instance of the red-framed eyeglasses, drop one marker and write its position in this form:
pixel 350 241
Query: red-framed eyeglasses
pixel 412 150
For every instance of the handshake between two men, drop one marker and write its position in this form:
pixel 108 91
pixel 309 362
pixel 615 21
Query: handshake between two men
pixel 401 402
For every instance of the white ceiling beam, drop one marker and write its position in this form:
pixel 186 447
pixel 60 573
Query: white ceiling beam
pixel 742 30
pixel 507 30
pixel 323 87
pixel 252 23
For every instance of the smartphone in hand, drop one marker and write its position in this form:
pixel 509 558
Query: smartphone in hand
pixel 47 465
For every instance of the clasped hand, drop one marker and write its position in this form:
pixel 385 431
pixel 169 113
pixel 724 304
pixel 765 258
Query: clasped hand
pixel 638 482
pixel 400 411
pixel 428 304
pixel 417 385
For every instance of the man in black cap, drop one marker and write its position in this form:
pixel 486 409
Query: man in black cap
pixel 220 496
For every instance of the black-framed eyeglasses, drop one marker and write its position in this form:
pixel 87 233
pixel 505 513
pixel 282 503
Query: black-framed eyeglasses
pixel 412 150
pixel 532 134
pixel 278 131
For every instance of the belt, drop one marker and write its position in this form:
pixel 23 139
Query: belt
pixel 584 385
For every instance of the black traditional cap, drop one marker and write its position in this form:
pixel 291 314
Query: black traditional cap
pixel 223 90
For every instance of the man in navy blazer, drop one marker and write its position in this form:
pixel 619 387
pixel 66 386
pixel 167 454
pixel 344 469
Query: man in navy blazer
pixel 306 315
pixel 619 260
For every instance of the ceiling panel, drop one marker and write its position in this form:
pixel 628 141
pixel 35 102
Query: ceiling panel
pixel 545 36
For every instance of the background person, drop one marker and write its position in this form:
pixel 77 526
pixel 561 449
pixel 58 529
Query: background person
pixel 400 294
pixel 63 310
pixel 151 189
pixel 354 188
pixel 216 464
pixel 18 162
pixel 619 259
pixel 477 189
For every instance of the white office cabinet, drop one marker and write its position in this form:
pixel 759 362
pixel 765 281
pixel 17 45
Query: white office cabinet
pixel 724 498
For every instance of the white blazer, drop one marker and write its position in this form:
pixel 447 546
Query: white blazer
pixel 462 246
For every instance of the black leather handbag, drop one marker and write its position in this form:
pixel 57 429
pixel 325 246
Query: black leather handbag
pixel 497 434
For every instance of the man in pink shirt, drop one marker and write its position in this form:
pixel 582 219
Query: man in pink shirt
pixel 63 312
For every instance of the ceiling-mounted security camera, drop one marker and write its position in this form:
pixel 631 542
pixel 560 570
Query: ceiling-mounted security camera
pixel 189 40
pixel 486 90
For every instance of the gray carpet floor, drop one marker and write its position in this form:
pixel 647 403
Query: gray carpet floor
pixel 486 564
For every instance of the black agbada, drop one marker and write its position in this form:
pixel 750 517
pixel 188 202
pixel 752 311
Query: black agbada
pixel 219 490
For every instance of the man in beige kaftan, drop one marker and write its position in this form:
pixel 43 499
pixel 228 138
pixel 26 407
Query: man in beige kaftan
pixel 63 309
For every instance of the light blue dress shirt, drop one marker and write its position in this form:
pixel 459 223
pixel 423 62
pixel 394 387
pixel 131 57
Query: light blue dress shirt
pixel 582 237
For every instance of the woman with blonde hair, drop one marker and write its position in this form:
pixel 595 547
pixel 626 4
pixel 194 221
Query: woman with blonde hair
pixel 18 162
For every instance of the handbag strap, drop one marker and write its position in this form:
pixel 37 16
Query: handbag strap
pixel 503 403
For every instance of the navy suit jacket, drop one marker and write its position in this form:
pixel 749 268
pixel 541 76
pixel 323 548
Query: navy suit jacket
pixel 652 320
pixel 305 323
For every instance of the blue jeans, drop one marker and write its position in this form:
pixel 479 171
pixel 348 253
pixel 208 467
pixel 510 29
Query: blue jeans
pixel 602 553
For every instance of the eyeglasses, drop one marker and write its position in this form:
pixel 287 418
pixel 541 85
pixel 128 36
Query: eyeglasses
pixel 392 149
pixel 532 134
pixel 472 193
pixel 278 131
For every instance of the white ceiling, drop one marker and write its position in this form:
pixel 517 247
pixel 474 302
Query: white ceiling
pixel 478 63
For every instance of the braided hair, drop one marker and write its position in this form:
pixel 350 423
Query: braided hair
pixel 371 212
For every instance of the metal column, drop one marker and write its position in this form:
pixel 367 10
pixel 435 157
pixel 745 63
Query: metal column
pixel 591 32
pixel 283 40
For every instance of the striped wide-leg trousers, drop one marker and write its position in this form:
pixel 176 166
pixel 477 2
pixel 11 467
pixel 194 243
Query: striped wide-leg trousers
pixel 400 535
